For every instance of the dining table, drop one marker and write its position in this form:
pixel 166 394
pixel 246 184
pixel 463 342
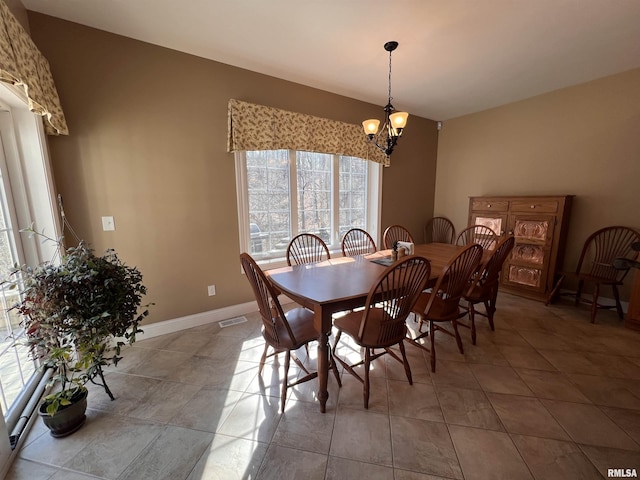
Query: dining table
pixel 343 283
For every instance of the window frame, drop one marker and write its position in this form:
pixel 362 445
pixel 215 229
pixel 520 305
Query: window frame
pixel 29 182
pixel 373 210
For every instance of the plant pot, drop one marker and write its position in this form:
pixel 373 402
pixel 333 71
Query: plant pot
pixel 67 419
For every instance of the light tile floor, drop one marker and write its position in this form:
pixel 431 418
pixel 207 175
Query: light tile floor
pixel 546 396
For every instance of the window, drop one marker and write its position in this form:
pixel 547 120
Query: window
pixel 282 193
pixel 26 198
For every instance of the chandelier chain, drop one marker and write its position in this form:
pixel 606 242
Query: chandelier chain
pixel 390 77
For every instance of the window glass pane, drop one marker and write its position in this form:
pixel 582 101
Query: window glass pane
pixel 314 194
pixel 274 214
pixel 269 201
pixel 353 194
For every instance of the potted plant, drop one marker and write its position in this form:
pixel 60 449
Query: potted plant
pixel 77 314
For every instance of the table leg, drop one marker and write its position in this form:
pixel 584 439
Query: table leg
pixel 323 324
pixel 323 371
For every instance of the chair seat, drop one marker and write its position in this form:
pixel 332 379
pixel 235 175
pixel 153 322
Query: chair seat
pixel 437 312
pixel 592 278
pixel 301 323
pixel 350 324
pixel 477 294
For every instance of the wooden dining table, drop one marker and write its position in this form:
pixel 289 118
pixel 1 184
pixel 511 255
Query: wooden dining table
pixel 343 283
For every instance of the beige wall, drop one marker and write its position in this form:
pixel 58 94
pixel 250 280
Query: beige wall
pixel 583 140
pixel 148 146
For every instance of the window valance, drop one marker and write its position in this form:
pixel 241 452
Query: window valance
pixel 257 127
pixel 23 65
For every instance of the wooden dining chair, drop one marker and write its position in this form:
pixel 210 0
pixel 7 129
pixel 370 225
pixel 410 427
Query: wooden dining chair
pixel 395 233
pixel 485 286
pixel 441 304
pixel 306 248
pixel 283 332
pixel 357 242
pixel 480 234
pixel 381 324
pixel 439 230
pixel 595 266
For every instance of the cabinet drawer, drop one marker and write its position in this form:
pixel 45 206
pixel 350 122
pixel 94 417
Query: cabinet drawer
pixel 489 205
pixel 537 206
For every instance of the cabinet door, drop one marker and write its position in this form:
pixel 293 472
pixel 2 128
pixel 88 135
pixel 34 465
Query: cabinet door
pixel 495 221
pixel 528 265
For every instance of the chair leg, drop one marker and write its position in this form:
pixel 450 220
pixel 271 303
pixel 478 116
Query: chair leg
pixel 335 341
pixel 556 287
pixel 407 368
pixel 594 304
pixel 579 291
pixel 334 367
pixel 433 347
pixel 283 397
pixel 491 309
pixel 457 335
pixel 472 321
pixel 367 363
pixel 263 359
pixel 616 295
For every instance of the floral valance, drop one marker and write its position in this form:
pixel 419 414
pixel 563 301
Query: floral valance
pixel 22 64
pixel 257 127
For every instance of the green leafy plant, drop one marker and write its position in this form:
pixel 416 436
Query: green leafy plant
pixel 78 314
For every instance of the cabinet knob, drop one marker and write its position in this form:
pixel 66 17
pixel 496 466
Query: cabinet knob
pixel 532 206
pixel 488 205
pixel 510 232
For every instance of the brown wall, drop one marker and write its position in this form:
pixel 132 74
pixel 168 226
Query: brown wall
pixel 18 11
pixel 148 146
pixel 583 140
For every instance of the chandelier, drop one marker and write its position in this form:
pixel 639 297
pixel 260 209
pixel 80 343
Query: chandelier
pixel 394 122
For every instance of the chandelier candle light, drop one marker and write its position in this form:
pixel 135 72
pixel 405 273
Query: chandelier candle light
pixel 394 122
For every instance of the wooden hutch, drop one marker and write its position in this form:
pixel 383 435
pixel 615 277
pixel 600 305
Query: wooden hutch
pixel 539 225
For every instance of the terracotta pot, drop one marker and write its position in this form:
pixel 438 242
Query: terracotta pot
pixel 67 419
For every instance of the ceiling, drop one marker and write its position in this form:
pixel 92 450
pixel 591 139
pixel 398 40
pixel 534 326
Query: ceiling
pixel 455 56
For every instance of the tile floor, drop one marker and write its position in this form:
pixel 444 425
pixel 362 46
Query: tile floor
pixel 545 396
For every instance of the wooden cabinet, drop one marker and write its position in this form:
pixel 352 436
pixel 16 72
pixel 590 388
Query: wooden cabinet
pixel 539 224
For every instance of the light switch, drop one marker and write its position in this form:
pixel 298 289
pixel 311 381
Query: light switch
pixel 108 224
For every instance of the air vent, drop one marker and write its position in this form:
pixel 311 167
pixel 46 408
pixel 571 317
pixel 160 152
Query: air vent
pixel 232 321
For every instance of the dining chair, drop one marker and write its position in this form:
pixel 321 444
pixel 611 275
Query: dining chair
pixel 439 230
pixel 595 266
pixel 441 304
pixel 480 234
pixel 381 324
pixel 485 286
pixel 283 332
pixel 395 233
pixel 357 242
pixel 306 248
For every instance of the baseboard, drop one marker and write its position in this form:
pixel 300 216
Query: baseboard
pixel 212 316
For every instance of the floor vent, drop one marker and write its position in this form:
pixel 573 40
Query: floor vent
pixel 232 321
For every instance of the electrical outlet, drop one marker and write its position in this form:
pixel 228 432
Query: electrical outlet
pixel 108 224
pixel 212 290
